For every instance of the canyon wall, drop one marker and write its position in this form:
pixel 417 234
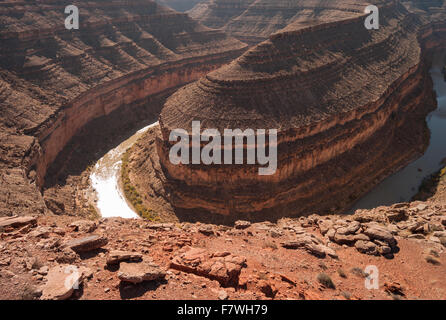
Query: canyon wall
pixel 349 105
pixel 254 21
pixel 180 5
pixel 54 81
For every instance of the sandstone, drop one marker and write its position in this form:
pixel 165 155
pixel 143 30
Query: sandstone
pixel 160 226
pixel 15 222
pixel 225 270
pixel 303 120
pixel 115 257
pixel 83 226
pixel 349 229
pixel 397 215
pixel 240 224
pixel 344 239
pixel 207 230
pixel 87 243
pixel 67 256
pixel 139 272
pixel 62 280
pixel 366 247
pixel 380 233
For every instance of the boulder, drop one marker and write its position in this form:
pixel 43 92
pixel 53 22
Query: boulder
pixel 115 257
pixel 206 229
pixel 62 280
pixel 351 228
pixel 366 247
pixel 380 233
pixel 16 222
pixel 397 215
pixel 86 244
pixel 139 272
pixel 221 266
pixel 240 224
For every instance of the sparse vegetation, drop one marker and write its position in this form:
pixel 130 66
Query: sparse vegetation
pixel 92 213
pixel 326 281
pixel 359 272
pixel 342 273
pixel 432 260
pixel 269 244
pixel 132 194
pixel 346 295
pixel 322 266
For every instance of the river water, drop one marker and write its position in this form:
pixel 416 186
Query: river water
pixel 403 185
pixel 105 181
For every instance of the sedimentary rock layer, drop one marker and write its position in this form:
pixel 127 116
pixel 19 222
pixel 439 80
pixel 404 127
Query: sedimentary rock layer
pixel 253 21
pixel 54 81
pixel 349 105
pixel 180 5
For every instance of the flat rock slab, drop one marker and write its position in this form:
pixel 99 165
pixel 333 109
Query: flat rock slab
pixel 15 222
pixel 139 272
pixel 83 226
pixel 221 266
pixel 86 244
pixel 62 280
pixel 115 257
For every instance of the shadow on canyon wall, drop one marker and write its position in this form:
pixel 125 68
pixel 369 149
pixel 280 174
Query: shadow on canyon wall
pixel 100 135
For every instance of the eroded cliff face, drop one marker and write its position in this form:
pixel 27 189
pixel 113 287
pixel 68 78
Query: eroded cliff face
pixel 54 81
pixel 349 105
pixel 254 21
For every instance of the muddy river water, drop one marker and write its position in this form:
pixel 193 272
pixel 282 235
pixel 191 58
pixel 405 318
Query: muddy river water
pixel 399 187
pixel 105 176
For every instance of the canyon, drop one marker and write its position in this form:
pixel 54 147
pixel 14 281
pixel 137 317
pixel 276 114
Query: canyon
pixel 349 105
pixel 331 129
pixel 55 81
pixel 254 21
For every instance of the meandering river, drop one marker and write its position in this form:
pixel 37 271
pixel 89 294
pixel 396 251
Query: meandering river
pixel 105 177
pixel 399 187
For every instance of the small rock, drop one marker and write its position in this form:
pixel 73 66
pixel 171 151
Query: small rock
pixel 115 257
pixel 139 272
pixel 206 229
pixel 223 295
pixel 240 224
pixel 84 226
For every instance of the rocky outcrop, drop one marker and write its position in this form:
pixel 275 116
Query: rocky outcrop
pixel 284 260
pixel 54 81
pixel 254 21
pixel 343 99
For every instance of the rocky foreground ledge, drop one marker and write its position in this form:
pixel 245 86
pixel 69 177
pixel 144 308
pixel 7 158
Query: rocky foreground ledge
pixel 315 257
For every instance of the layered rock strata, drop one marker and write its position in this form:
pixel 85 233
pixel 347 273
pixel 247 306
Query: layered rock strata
pixel 349 105
pixel 180 5
pixel 254 21
pixel 54 81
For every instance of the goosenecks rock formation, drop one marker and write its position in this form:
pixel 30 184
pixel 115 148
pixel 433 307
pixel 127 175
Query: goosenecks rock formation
pixel 349 105
pixel 54 81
